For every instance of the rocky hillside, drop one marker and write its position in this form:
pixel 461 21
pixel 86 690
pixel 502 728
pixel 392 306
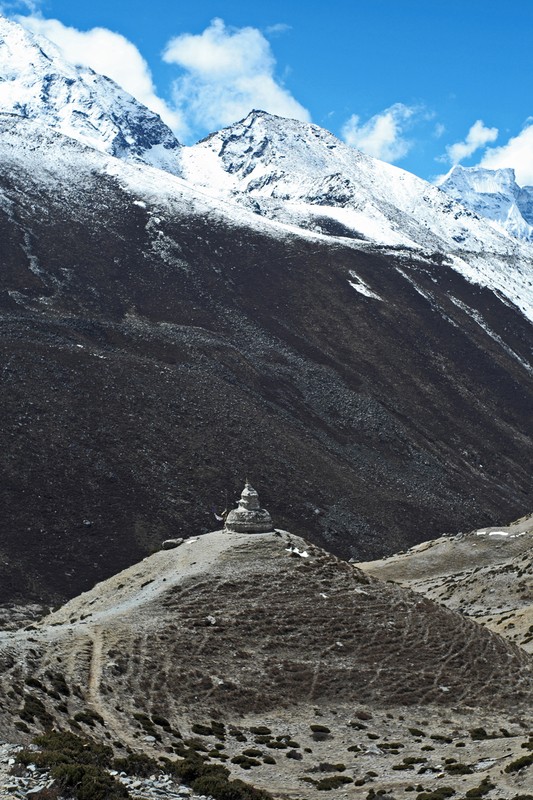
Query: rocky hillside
pixel 485 574
pixel 233 643
pixel 159 344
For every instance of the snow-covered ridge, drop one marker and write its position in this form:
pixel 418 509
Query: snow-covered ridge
pixel 304 176
pixel 494 194
pixel 285 168
pixel 37 82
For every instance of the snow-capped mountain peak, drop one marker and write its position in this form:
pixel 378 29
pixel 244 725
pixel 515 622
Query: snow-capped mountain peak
pixel 37 82
pixel 301 173
pixel 495 194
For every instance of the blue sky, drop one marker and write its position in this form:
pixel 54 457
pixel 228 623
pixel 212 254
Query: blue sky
pixel 420 83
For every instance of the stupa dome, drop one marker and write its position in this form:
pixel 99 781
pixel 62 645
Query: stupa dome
pixel 249 517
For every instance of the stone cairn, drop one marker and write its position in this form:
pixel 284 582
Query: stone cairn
pixel 249 517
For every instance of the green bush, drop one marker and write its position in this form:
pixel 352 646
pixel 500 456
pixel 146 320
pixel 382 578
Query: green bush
pixel 137 764
pixel 333 782
pixel 294 754
pixel 202 730
pixel 327 767
pixel 520 763
pixel 479 791
pixel 162 722
pixel 89 717
pixel 63 747
pixel 58 682
pixel 77 765
pixel 245 762
pixel 87 782
pixel 34 708
pixel 221 789
pixel 458 769
pixel 479 733
pixel 438 794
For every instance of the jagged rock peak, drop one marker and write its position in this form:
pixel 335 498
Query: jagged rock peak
pixel 37 82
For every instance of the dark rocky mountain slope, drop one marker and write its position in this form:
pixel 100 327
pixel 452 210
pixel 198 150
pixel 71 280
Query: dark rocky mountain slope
pixel 158 344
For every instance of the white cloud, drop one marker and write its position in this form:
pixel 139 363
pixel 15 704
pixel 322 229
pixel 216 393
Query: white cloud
pixel 227 73
pixel 382 136
pixel 517 153
pixel 110 54
pixel 478 136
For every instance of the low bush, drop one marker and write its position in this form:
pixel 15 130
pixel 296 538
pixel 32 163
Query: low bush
pixel 202 730
pixel 294 754
pixel 77 765
pixel 480 791
pixel 327 767
pixel 89 717
pixel 333 782
pixel 458 769
pixel 245 762
pixel 137 764
pixel 441 793
pixel 87 782
pixel 34 709
pixel 520 763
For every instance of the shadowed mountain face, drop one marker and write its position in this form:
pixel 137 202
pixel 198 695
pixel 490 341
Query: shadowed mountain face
pixel 157 347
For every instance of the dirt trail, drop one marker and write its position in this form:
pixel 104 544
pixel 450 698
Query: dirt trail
pixel 94 695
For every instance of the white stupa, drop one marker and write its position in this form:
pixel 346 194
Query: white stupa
pixel 249 517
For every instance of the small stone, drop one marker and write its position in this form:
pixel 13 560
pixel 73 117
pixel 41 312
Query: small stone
pixel 170 544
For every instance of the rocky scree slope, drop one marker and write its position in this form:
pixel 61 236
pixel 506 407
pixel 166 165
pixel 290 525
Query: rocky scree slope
pixel 494 194
pixel 266 642
pixel 485 574
pixel 37 83
pixel 158 346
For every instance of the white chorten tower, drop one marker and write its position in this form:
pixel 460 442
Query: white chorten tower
pixel 249 517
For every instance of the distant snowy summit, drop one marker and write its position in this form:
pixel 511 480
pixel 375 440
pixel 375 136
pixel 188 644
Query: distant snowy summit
pixel 36 82
pixel 493 194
